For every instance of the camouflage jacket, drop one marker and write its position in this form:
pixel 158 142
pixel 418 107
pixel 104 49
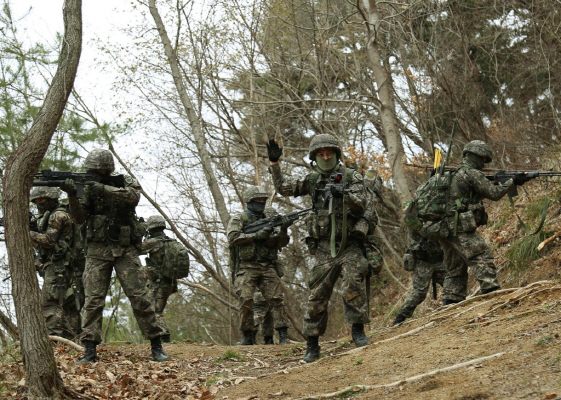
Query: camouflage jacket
pixel 319 223
pixel 110 218
pixel 250 249
pixel 470 186
pixel 153 246
pixel 55 236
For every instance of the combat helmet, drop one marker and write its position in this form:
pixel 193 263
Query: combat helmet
pixel 479 148
pixel 254 192
pixel 155 221
pixel 324 140
pixel 100 159
pixel 43 192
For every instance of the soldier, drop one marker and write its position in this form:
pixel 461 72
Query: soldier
pixel 337 254
pixel 256 255
pixel 424 259
pixel 113 234
pixel 55 241
pixel 464 247
pixel 162 286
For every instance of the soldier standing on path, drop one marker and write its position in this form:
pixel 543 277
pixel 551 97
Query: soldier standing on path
pixel 339 199
pixel 255 257
pixel 162 286
pixel 55 243
pixel 464 247
pixel 113 234
pixel 424 259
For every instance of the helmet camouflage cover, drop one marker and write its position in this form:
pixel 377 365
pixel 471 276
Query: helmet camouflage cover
pixel 254 192
pixel 43 192
pixel 100 159
pixel 155 221
pixel 479 148
pixel 324 140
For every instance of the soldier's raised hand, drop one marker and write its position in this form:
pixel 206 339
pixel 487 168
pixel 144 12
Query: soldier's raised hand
pixel 69 187
pixel 274 151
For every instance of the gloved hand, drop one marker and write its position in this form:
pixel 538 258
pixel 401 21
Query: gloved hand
pixel 69 187
pixel 337 191
pixel 286 222
pixel 274 151
pixel 264 233
pixel 97 189
pixel 520 179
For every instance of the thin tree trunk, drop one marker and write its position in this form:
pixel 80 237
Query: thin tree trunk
pixel 9 326
pixel 42 377
pixel 387 109
pixel 194 119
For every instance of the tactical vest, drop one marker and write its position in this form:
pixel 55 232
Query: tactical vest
pixel 111 221
pixel 255 252
pixel 318 222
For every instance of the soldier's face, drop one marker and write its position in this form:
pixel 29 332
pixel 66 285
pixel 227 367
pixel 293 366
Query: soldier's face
pixel 325 153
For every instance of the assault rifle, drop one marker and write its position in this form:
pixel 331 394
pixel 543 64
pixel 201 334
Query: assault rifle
pixel 520 177
pixel 273 221
pixel 51 178
pixel 335 188
pixel 32 222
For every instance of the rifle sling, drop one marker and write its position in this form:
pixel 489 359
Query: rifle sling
pixel 542 216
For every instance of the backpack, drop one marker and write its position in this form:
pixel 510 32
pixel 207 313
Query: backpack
pixel 431 202
pixel 175 263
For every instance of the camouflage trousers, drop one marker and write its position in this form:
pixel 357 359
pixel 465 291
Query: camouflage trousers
pixel 59 304
pixel 262 315
pixel 133 279
pixel 160 291
pixel 353 267
pixel 463 251
pixel 423 273
pixel 253 276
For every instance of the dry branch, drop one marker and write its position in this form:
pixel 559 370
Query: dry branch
pixel 358 388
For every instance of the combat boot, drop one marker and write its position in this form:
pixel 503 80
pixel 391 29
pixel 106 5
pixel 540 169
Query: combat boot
pixel 166 338
pixel 312 349
pixel 283 336
pixel 485 291
pixel 399 319
pixel 359 337
pixel 447 302
pixel 158 353
pixel 254 337
pixel 247 339
pixel 91 352
pixel 268 340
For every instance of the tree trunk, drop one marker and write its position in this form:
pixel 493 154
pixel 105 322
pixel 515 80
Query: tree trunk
pixel 194 119
pixel 43 379
pixel 387 116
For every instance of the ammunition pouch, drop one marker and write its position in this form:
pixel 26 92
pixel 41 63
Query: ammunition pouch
pixel 247 252
pixel 125 235
pixel 435 230
pixel 408 262
pixel 323 223
pixel 97 228
pixel 479 213
pixel 466 222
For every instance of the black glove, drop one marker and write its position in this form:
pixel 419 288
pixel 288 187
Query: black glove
pixel 97 189
pixel 264 233
pixel 274 151
pixel 520 179
pixel 337 191
pixel 69 187
pixel 286 222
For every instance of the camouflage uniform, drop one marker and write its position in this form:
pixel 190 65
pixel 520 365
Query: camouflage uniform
pixel 113 237
pixel 257 266
pixel 351 264
pixel 424 259
pixel 263 317
pixel 55 245
pixel 467 248
pixel 161 286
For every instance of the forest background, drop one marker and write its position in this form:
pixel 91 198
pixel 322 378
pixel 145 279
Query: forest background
pixel 188 110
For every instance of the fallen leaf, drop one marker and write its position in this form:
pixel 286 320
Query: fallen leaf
pixel 111 376
pixel 238 381
pixel 281 393
pixel 551 396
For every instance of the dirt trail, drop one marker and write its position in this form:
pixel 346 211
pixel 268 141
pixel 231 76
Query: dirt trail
pixel 520 328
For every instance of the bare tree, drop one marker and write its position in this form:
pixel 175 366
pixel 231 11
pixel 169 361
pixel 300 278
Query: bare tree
pixel 42 376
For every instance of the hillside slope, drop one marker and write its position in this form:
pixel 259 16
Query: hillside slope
pixel 504 345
